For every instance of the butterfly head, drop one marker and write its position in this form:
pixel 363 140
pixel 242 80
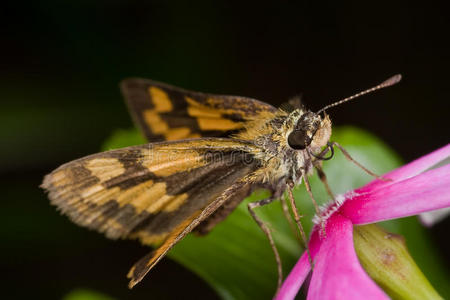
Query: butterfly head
pixel 310 130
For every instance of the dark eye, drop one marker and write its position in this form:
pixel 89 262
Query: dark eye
pixel 298 140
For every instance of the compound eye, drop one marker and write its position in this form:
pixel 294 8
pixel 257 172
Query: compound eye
pixel 298 140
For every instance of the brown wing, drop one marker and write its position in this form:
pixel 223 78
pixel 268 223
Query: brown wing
pixel 147 192
pixel 165 112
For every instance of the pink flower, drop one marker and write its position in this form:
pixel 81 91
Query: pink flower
pixel 413 189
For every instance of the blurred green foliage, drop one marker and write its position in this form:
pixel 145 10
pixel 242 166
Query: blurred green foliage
pixel 86 294
pixel 236 259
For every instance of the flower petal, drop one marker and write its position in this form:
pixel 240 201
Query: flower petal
pixel 413 168
pixel 338 273
pixel 297 276
pixel 425 192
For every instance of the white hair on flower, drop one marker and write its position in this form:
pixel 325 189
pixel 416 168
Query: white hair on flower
pixel 329 208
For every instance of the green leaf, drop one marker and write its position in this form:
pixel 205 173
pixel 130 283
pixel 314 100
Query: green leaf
pixel 236 259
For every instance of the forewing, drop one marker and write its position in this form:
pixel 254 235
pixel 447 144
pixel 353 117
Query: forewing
pixel 149 191
pixel 165 112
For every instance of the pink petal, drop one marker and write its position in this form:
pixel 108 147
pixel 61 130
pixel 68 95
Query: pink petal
pixel 296 277
pixel 413 168
pixel 337 273
pixel 425 192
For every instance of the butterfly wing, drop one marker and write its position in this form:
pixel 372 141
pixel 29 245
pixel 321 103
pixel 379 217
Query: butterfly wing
pixel 165 112
pixel 147 192
pixel 146 263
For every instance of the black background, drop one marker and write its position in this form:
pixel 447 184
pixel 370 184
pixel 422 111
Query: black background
pixel 60 68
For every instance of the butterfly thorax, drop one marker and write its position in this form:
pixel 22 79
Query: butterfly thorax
pixel 286 142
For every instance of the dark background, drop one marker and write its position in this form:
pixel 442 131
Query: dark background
pixel 60 68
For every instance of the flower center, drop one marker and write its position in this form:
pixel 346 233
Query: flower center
pixel 328 209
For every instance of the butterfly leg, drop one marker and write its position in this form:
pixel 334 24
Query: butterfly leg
pixel 278 193
pixel 287 215
pixel 323 178
pixel 297 217
pixel 308 189
pixel 347 156
pixel 251 208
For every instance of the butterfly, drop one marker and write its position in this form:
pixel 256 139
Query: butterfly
pixel 206 153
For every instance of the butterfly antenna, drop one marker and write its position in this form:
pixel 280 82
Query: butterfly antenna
pixel 391 81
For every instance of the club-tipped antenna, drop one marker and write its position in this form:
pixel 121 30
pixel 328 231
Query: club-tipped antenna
pixel 391 81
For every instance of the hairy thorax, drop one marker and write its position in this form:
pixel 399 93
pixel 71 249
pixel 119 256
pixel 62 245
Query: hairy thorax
pixel 280 161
